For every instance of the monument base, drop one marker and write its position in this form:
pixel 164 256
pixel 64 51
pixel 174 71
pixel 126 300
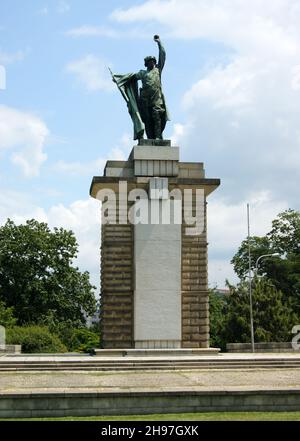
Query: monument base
pixel 154 287
pixel 156 352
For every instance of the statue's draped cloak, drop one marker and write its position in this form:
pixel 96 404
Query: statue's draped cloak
pixel 128 86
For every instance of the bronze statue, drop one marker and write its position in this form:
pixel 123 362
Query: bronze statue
pixel 146 106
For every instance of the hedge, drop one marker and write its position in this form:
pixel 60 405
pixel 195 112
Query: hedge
pixel 34 339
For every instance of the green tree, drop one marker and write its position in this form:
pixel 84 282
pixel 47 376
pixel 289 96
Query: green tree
pixel 217 306
pixel 285 233
pixel 258 246
pixel 273 317
pixel 7 318
pixel 284 272
pixel 37 278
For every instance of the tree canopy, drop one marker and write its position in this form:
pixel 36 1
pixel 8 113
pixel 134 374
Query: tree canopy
pixel 283 271
pixel 37 277
pixel 276 288
pixel 273 317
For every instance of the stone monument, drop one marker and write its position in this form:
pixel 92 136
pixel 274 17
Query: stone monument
pixel 154 288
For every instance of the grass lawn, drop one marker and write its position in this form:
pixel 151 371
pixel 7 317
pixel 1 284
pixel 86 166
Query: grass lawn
pixel 209 416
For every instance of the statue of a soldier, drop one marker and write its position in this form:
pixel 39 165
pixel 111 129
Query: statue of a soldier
pixel 146 106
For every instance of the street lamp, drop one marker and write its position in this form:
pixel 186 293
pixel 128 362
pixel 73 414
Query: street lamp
pixel 249 276
pixel 263 256
pixel 250 287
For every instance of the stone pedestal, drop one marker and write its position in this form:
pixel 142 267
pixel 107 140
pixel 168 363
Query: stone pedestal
pixel 154 291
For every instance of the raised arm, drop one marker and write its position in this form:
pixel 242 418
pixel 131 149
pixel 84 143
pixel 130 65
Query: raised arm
pixel 162 53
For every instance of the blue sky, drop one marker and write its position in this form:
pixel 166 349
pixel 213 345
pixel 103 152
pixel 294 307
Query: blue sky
pixel 232 83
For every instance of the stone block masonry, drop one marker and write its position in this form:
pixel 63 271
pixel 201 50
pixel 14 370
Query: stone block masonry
pixel 116 313
pixel 194 281
pixel 38 405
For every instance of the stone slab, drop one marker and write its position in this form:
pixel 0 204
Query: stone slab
pixel 157 294
pixel 119 172
pixel 155 142
pixel 191 173
pixel 10 349
pixel 157 315
pixel 155 153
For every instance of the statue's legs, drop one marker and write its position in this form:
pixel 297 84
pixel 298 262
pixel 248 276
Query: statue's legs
pixel 146 116
pixel 156 117
pixel 152 110
pixel 152 117
pixel 149 123
pixel 149 128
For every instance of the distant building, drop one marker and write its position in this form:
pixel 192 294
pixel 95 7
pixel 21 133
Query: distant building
pixel 222 292
pixel 94 319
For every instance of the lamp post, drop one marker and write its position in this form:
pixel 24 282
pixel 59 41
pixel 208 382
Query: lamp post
pixel 262 257
pixel 250 287
pixel 250 280
pixel 250 277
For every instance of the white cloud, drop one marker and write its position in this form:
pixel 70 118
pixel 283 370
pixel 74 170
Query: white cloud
pixel 227 222
pixel 295 83
pixel 249 26
pixel 80 168
pixel 19 207
pixel 92 31
pixel 9 58
pixel 123 148
pixel 178 133
pixel 83 217
pixel 227 228
pixel 25 134
pixel 87 30
pixel 119 153
pixel 2 78
pixel 220 270
pixel 63 7
pixel 92 72
pixel 43 11
pixel 244 113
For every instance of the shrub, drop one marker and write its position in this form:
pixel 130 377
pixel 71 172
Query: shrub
pixel 65 331
pixel 84 340
pixel 34 339
pixel 76 338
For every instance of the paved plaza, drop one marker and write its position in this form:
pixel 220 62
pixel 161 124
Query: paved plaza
pixel 202 379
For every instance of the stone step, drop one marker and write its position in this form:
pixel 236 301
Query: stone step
pixel 135 369
pixel 119 365
pixel 95 361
